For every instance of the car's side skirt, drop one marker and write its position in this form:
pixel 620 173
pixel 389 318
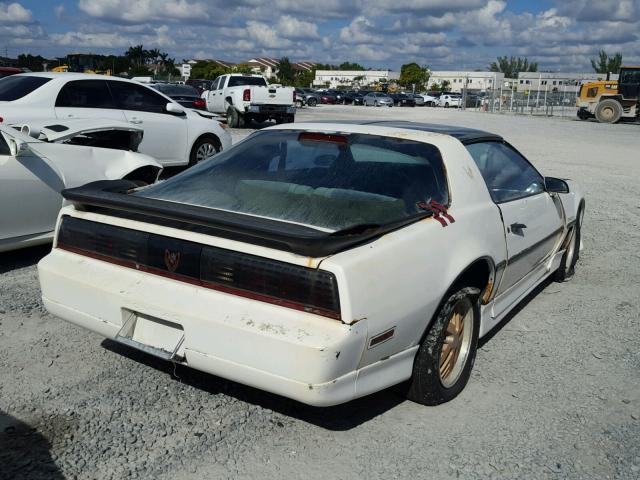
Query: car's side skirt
pixel 494 312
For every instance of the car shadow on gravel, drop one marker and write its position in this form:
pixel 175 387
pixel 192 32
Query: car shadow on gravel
pixel 22 258
pixel 24 452
pixel 338 418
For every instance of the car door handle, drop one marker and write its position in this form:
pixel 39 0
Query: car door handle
pixel 135 121
pixel 517 226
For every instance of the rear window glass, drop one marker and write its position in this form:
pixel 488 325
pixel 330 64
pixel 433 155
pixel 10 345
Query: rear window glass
pixel 177 90
pixel 85 94
pixel 329 182
pixel 15 87
pixel 238 80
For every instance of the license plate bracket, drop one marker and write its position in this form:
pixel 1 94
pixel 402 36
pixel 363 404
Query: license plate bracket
pixel 155 336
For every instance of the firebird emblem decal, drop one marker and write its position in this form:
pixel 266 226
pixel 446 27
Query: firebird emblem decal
pixel 171 260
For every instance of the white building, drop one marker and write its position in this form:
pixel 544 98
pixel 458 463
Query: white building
pixel 475 81
pixel 557 82
pixel 355 78
pixel 264 66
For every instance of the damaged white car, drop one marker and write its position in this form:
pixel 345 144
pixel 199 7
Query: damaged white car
pixel 320 261
pixel 34 171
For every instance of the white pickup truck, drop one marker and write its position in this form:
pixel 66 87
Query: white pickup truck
pixel 244 97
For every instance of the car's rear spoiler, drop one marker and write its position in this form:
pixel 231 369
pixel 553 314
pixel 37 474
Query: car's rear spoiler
pixel 112 197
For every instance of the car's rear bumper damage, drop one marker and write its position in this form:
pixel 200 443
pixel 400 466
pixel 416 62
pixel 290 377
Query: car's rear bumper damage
pixel 299 355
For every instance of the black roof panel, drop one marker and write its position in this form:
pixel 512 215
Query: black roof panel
pixel 464 134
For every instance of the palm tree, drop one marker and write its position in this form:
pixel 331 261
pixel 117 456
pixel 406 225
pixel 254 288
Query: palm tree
pixel 136 54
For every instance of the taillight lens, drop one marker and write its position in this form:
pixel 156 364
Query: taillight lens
pixel 307 289
pixel 246 95
pixel 199 103
pixel 249 276
pixel 294 96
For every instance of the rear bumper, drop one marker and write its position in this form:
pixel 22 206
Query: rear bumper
pixel 302 356
pixel 271 109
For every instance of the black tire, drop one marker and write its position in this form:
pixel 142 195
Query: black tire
pixel 203 141
pixel 446 105
pixel 608 111
pixel 583 114
pixel 572 250
pixel 312 102
pixel 426 385
pixel 234 118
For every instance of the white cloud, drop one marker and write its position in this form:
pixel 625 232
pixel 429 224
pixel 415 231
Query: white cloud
pixel 291 27
pixel 132 11
pixel 14 13
pixel 360 31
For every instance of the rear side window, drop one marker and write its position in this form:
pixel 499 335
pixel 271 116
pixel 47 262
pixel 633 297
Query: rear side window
pixel 15 87
pixel 130 96
pixel 85 94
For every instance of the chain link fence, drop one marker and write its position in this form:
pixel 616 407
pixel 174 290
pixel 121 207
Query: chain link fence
pixel 542 103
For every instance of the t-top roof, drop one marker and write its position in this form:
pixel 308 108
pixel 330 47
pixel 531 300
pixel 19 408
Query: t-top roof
pixel 464 134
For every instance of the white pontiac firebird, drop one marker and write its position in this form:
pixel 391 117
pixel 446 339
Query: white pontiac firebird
pixel 40 159
pixel 319 261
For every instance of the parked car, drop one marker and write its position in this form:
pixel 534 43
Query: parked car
pixel 7 71
pixel 101 133
pixel 403 100
pixel 33 172
pixel 185 95
pixel 449 100
pixel 370 257
pixel 352 98
pixel 328 98
pixel 430 98
pixel 244 98
pixel 306 97
pixel 377 99
pixel 200 84
pixel 173 135
pixel 419 99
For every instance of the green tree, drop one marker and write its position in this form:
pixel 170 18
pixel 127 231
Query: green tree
pixel 605 64
pixel 511 66
pixel 136 55
pixel 286 72
pixel 445 86
pixel 350 66
pixel 414 74
pixel 242 68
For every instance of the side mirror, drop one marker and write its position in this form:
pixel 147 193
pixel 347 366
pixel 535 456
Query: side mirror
pixel 17 148
pixel 175 109
pixel 556 185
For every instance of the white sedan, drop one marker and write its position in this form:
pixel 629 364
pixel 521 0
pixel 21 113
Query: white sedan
pixel 445 100
pixel 33 172
pixel 319 261
pixel 172 134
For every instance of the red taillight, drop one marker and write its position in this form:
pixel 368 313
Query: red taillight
pixel 1 119
pixel 323 137
pixel 246 95
pixel 198 103
pixel 294 96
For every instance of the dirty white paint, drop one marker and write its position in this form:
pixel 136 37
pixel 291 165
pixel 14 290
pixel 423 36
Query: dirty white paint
pixel 396 281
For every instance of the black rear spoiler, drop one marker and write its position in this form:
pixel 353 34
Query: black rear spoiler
pixel 111 197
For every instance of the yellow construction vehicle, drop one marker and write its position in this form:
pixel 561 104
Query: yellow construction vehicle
pixel 609 100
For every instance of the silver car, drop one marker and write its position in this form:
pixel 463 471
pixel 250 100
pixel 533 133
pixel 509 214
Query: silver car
pixel 377 99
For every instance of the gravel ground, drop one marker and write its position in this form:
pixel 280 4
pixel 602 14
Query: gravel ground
pixel 555 392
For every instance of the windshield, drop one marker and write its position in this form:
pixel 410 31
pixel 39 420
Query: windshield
pixel 327 181
pixel 15 87
pixel 236 81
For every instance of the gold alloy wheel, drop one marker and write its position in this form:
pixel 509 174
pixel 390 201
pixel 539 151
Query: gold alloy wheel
pixel 456 343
